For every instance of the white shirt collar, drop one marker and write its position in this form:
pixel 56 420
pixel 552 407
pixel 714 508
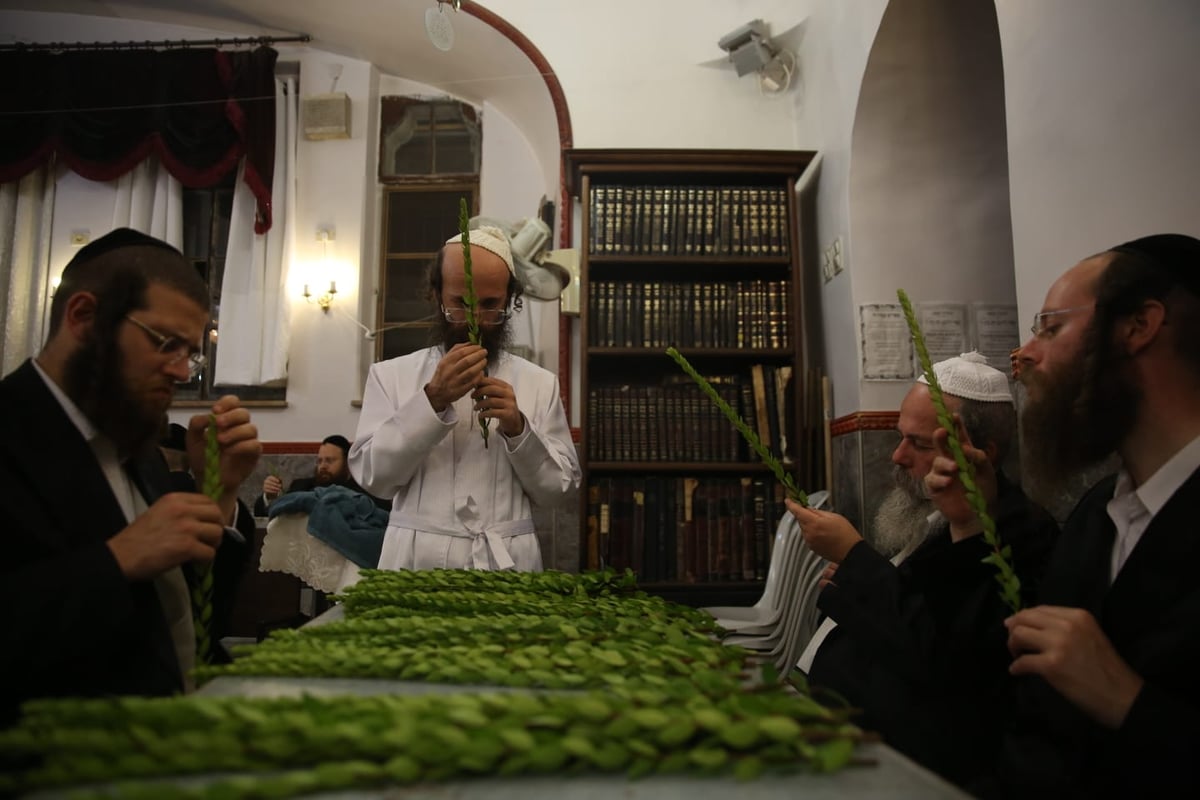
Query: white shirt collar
pixel 1159 487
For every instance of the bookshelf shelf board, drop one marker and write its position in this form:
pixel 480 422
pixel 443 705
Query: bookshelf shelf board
pixel 688 261
pixel 740 467
pixel 783 353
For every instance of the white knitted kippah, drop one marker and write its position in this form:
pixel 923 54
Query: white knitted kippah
pixel 491 239
pixel 969 376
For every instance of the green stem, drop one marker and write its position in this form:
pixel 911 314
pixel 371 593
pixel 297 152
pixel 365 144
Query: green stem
pixel 1000 557
pixel 756 444
pixel 202 590
pixel 470 301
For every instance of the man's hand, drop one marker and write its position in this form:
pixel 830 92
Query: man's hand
pixel 829 535
pixel 272 487
pixel 827 576
pixel 1067 647
pixel 459 371
pixel 946 490
pixel 179 527
pixel 495 399
pixel 238 441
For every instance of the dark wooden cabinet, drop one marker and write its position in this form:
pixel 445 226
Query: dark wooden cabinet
pixel 699 250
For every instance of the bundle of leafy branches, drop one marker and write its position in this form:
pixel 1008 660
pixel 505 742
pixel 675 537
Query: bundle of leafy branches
pixel 651 691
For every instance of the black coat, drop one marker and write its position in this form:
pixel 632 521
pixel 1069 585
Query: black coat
pixel 920 648
pixel 73 625
pixel 1151 614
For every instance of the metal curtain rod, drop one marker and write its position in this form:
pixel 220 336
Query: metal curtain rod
pixel 167 44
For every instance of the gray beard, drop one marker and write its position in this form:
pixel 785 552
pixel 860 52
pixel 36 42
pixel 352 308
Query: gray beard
pixel 902 520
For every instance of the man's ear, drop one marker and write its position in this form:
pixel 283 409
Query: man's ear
pixel 1136 331
pixel 80 314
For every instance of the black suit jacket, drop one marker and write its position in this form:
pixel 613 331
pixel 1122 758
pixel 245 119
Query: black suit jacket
pixel 73 625
pixel 1151 613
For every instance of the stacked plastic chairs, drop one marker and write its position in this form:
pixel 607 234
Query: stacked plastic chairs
pixel 785 617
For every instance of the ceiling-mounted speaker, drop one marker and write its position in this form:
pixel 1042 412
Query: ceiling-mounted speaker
pixel 326 116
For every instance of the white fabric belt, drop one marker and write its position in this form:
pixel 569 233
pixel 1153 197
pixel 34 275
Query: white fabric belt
pixel 482 541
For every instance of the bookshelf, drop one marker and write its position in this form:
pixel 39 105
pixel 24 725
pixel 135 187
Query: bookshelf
pixel 700 250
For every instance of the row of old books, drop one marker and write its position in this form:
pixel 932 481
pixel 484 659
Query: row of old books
pixel 674 420
pixel 683 529
pixel 745 313
pixel 688 220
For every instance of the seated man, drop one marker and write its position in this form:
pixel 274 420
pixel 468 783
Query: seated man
pixel 331 470
pixel 102 606
pixel 460 500
pixel 1109 701
pixel 919 647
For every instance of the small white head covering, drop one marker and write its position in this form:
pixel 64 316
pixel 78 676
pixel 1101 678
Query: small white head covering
pixel 969 376
pixel 491 239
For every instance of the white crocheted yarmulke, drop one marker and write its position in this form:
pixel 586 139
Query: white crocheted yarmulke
pixel 969 376
pixel 490 239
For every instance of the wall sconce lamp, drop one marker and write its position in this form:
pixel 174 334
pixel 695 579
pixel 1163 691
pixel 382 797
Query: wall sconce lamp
pixel 326 299
pixel 324 236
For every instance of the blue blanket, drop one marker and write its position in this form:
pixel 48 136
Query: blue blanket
pixel 347 521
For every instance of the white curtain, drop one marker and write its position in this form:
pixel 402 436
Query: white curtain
pixel 255 313
pixel 150 200
pixel 26 215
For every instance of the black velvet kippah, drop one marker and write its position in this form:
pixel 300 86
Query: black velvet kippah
pixel 116 239
pixel 1173 253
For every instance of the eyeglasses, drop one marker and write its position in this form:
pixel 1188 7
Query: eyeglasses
pixel 173 346
pixel 484 316
pixel 1040 327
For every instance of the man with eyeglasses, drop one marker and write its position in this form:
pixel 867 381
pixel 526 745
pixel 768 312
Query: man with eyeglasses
pixel 1109 699
pixel 462 501
pixel 98 603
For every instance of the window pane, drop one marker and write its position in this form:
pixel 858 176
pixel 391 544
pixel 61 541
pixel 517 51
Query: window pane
pixel 403 341
pixel 456 152
pixel 415 157
pixel 419 222
pixel 406 295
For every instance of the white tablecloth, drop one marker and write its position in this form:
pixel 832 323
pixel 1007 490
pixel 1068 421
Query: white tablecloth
pixel 289 547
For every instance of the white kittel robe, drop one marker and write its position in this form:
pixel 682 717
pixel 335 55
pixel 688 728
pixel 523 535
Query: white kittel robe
pixel 456 504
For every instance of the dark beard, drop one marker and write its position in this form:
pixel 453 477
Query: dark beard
pixel 903 516
pixel 92 379
pixel 493 338
pixel 1077 418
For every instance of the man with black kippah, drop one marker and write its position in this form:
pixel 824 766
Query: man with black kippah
pixel 100 604
pixel 331 470
pixel 1109 699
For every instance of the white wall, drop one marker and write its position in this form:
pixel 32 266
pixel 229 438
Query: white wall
pixel 1103 121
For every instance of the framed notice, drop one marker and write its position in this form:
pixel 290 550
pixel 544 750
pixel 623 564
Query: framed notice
pixel 996 332
pixel 944 326
pixel 887 352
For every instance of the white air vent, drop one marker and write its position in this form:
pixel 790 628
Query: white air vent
pixel 327 116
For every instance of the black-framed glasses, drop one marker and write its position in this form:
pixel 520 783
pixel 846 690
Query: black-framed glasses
pixel 177 349
pixel 1041 320
pixel 484 316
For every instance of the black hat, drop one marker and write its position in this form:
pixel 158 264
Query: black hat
pixel 1174 254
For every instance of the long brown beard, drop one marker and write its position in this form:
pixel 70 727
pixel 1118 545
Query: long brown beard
pixel 93 380
pixel 1076 419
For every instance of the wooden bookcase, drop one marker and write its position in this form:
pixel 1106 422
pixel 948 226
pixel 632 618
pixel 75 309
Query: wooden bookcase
pixel 700 250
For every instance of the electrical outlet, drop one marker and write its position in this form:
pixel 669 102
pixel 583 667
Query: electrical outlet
pixel 826 266
pixel 836 257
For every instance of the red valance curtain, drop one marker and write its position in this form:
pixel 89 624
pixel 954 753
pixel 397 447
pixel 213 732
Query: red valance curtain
pixel 103 112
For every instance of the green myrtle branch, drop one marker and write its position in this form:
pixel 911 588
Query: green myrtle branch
pixel 1001 555
pixel 747 432
pixel 202 590
pixel 470 301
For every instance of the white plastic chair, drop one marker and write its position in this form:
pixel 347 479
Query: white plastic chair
pixel 767 610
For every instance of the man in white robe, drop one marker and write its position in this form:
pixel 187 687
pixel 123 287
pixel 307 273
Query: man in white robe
pixel 460 500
